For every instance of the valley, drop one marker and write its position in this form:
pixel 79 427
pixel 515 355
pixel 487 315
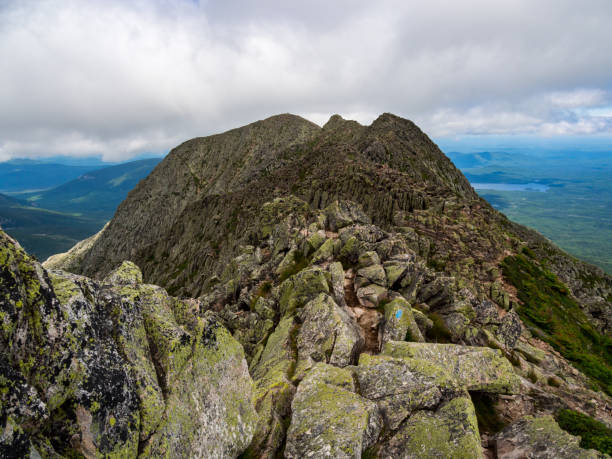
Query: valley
pixel 565 195
pixel 52 220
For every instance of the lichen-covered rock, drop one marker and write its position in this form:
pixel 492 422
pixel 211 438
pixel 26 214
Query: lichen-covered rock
pixel 539 438
pixel 371 295
pixel 368 258
pixel 344 213
pixel 475 368
pixel 274 391
pixel 397 266
pixel 400 387
pixel 209 404
pixel 509 330
pixel 373 274
pixel 300 288
pixel 337 283
pixel 126 274
pixel 399 322
pixel 449 432
pixel 326 251
pixel 114 369
pixel 315 240
pixel 328 419
pixel 327 335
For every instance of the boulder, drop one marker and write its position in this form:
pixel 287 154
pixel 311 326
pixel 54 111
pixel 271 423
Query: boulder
pixel 451 431
pixel 368 258
pixel 373 274
pixel 399 323
pixel 475 368
pixel 344 213
pixel 328 419
pixel 400 387
pixel 371 295
pixel 126 274
pixel 300 288
pixel 114 369
pixel 337 282
pixel 328 334
pixel 326 251
pixel 273 389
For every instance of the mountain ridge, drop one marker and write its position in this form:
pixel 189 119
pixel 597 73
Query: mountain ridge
pixel 356 264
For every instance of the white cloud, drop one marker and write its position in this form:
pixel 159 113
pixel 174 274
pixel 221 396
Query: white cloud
pixel 122 78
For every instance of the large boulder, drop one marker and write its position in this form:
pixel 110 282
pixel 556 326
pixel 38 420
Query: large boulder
pixel 451 431
pixel 400 387
pixel 475 368
pixel 329 420
pixel 328 334
pixel 272 371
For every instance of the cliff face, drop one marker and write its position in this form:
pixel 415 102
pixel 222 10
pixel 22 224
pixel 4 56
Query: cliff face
pixel 383 308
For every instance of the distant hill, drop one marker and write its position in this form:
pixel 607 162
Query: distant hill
pixel 96 193
pixel 52 221
pixel 24 175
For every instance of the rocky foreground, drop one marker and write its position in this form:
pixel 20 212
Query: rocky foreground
pixel 339 363
pixel 352 297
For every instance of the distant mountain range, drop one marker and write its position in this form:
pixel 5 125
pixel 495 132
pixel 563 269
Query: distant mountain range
pixel 27 175
pixel 52 220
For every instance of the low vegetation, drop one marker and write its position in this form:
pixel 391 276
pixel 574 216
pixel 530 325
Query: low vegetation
pixel 548 307
pixel 594 434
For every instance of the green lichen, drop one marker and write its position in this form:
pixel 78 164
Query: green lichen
pixel 452 431
pixel 475 368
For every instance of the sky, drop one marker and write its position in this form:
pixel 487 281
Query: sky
pixel 122 79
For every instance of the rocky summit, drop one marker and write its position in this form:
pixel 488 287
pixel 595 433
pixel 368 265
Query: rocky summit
pixel 334 292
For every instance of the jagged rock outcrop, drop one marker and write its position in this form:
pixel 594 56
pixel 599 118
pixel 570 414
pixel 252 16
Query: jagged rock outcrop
pixel 115 368
pixel 327 353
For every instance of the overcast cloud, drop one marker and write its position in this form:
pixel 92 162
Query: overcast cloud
pixel 124 78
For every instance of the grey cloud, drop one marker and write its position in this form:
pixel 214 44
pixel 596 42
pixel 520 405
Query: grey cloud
pixel 122 78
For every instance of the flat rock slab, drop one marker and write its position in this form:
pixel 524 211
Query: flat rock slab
pixel 475 368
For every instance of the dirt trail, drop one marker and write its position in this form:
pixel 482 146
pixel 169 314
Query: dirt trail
pixel 368 319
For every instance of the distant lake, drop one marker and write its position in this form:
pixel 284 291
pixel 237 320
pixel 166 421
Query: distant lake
pixel 511 186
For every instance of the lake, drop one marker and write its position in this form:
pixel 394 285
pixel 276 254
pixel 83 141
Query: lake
pixel 511 186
